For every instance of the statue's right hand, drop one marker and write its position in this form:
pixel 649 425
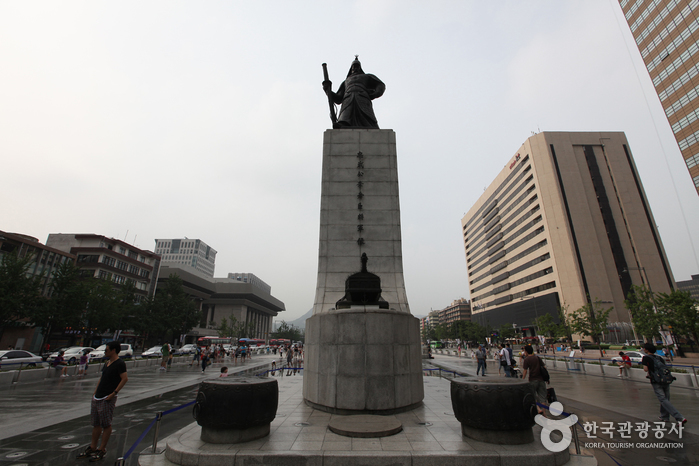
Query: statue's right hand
pixel 327 86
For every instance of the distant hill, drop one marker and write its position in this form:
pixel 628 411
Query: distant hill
pixel 298 323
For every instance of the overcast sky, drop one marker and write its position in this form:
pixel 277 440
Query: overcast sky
pixel 205 119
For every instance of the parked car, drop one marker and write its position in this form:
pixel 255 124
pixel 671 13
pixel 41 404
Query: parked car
pixel 190 348
pixel 635 356
pixel 153 352
pixel 71 355
pixel 126 351
pixel 13 359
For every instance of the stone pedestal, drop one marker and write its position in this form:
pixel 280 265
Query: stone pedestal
pixel 361 358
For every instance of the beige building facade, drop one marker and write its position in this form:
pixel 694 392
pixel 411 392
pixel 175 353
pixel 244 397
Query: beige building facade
pixel 566 221
pixel 667 35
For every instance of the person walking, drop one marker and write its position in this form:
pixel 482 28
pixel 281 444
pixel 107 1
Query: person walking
pixel 204 359
pixel 652 363
pixel 532 366
pixel 480 357
pixel 82 364
pixel 60 364
pixel 505 361
pixel 165 351
pixel 104 398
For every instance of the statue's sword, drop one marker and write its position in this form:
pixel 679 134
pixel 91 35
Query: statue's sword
pixel 333 117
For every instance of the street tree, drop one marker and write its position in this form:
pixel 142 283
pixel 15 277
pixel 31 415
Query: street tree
pixel 20 293
pixel 680 312
pixel 646 320
pixel 590 320
pixel 288 332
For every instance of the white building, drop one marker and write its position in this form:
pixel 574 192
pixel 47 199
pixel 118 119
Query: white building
pixel 250 278
pixel 187 253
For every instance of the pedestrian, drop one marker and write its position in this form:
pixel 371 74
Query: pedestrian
pixel 204 359
pixel 60 364
pixel 289 357
pixel 532 366
pixel 505 361
pixel 195 358
pixel 82 364
pixel 224 372
pixel 113 379
pixel 653 365
pixel 165 352
pixel 480 357
pixel 625 363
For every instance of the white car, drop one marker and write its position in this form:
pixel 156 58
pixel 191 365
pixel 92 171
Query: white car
pixel 13 359
pixel 72 355
pixel 635 357
pixel 126 351
pixel 190 348
pixel 153 352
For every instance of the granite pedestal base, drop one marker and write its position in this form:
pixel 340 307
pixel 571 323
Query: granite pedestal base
pixel 363 360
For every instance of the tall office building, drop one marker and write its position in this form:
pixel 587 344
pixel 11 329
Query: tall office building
pixel 666 33
pixel 190 253
pixel 565 221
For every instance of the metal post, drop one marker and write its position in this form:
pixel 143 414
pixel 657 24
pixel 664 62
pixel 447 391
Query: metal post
pixel 158 418
pixel 601 367
pixel 120 462
pixel 576 439
pixel 695 376
pixel 19 372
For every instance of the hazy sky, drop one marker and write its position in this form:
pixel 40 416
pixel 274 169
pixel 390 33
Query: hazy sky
pixel 205 119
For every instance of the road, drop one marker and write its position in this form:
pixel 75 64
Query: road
pixel 46 424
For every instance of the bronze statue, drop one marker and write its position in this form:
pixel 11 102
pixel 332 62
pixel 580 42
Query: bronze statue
pixel 355 94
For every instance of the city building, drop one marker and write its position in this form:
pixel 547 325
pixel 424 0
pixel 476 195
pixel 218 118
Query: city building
pixel 666 34
pixel 191 253
pixel 45 260
pixel 565 223
pixel 459 309
pixel 690 285
pixel 219 298
pixel 251 278
pixel 110 259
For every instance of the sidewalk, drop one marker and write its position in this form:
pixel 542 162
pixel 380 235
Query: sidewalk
pixel 25 407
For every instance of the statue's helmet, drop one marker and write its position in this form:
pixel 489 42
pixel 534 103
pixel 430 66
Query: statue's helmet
pixel 355 67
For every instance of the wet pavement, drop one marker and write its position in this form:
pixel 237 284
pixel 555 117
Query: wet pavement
pixel 596 400
pixel 47 423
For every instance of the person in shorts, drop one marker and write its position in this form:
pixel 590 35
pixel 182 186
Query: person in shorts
pixel 60 364
pixel 104 398
pixel 82 364
pixel 532 366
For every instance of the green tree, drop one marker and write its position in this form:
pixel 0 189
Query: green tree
pixel 68 300
pixel 169 314
pixel 646 320
pixel 103 310
pixel 289 332
pixel 506 331
pixel 20 293
pixel 680 311
pixel 590 320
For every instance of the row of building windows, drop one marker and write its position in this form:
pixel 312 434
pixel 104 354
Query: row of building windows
pixel 510 261
pixel 672 67
pixel 493 196
pixel 682 101
pixel 504 222
pixel 633 9
pixel 692 71
pixel 696 181
pixel 688 141
pixel 656 21
pixel 506 201
pixel 676 42
pixel 642 17
pixel 677 20
pixel 519 281
pixel 692 161
pixel 686 121
pixel 508 229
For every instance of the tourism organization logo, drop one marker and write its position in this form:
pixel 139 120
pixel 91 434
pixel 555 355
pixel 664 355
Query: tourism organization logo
pixel 552 425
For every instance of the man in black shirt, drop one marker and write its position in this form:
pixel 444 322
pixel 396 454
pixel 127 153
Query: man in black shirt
pixel 662 391
pixel 113 379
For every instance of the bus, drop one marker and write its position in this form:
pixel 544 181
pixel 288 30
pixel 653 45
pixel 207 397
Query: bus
pixel 279 342
pixel 208 341
pixel 251 342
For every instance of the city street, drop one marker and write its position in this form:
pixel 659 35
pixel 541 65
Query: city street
pixel 597 399
pixel 47 423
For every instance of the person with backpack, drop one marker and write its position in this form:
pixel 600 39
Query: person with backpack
pixel 538 376
pixel 480 357
pixel 660 379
